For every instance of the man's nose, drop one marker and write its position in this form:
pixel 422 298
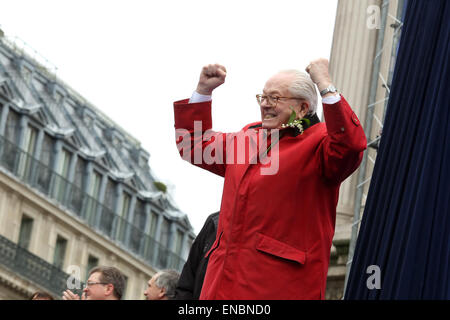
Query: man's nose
pixel 265 104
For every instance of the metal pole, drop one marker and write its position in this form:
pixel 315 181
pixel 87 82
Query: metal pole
pixel 398 25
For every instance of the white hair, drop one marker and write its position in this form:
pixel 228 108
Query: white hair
pixel 303 87
pixel 168 280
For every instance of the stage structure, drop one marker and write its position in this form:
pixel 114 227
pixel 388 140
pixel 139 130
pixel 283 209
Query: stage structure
pixel 403 246
pixel 362 60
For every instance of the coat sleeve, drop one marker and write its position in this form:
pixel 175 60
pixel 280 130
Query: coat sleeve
pixel 191 278
pixel 342 149
pixel 196 142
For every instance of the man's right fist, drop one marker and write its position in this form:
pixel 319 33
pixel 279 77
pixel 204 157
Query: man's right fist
pixel 212 76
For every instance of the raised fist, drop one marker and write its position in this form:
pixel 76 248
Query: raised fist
pixel 318 71
pixel 212 76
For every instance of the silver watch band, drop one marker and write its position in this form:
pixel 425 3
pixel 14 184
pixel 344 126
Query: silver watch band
pixel 330 88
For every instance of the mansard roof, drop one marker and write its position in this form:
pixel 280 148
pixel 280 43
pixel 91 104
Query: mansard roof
pixel 64 113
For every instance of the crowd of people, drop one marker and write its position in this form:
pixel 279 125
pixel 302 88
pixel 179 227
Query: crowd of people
pixel 108 283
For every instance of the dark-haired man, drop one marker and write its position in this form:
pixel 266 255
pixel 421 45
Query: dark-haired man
pixel 104 283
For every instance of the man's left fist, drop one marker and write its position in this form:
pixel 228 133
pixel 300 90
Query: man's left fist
pixel 318 71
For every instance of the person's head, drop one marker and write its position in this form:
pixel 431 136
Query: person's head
pixel 162 285
pixel 289 88
pixel 41 296
pixel 104 283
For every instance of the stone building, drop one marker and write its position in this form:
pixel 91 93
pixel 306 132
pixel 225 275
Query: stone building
pixel 76 190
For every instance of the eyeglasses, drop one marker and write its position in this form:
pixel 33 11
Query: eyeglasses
pixel 272 100
pixel 91 283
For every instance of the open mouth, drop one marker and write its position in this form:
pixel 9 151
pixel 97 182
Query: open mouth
pixel 268 116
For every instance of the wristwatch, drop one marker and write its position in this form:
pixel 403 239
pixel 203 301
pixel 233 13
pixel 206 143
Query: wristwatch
pixel 330 88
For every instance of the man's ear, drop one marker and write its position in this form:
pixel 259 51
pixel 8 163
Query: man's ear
pixel 302 109
pixel 162 293
pixel 109 289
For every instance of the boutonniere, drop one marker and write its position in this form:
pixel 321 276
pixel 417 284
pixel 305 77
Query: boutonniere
pixel 296 123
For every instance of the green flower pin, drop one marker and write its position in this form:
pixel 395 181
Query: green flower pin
pixel 292 123
pixel 296 123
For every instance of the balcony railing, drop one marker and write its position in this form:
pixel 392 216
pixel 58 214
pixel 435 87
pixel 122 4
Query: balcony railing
pixel 80 204
pixel 33 268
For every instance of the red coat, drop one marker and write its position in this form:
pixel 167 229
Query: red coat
pixel 275 231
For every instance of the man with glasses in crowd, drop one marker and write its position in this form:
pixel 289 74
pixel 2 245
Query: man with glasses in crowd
pixel 275 228
pixel 104 283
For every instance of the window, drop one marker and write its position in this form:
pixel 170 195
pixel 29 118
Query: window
pixel 110 194
pixel 80 171
pixel 138 226
pixel 94 192
pixel 153 223
pixel 106 221
pixel 60 252
pixel 77 190
pixel 29 146
pixel 163 252
pixel 94 189
pixel 10 151
pixel 125 205
pixel 123 215
pixel 91 264
pixel 12 126
pixel 30 140
pixel 150 244
pixel 139 215
pixel 47 150
pixel 62 170
pixel 63 166
pixel 26 226
pixel 178 242
pixel 45 163
pixel 165 231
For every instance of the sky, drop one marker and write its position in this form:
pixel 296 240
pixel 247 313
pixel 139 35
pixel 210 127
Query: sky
pixel 132 59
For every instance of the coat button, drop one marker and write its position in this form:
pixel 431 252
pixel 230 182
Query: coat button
pixel 355 119
pixel 342 129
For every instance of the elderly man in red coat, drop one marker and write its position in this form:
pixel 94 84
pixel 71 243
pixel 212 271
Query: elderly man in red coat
pixel 278 209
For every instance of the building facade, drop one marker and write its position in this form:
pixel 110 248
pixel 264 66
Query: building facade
pixel 362 60
pixel 76 190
